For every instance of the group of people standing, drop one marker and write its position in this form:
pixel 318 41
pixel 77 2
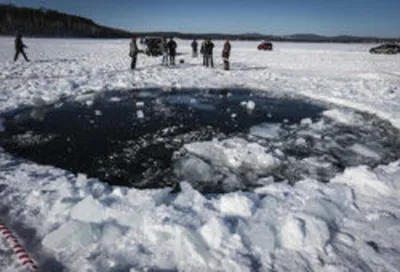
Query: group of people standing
pixel 168 50
pixel 207 48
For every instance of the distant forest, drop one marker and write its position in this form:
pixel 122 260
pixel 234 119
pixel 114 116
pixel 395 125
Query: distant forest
pixel 49 23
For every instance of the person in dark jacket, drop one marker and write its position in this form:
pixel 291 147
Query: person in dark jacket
pixel 208 52
pixel 172 51
pixel 133 52
pixel 19 47
pixel 202 49
pixel 194 48
pixel 226 52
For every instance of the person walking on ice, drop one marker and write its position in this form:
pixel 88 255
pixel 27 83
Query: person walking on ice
pixel 172 51
pixel 19 48
pixel 133 52
pixel 226 52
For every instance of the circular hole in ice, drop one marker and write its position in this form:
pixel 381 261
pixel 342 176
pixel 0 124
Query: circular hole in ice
pixel 219 140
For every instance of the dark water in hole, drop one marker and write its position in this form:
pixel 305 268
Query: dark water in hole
pixel 128 138
pixel 136 138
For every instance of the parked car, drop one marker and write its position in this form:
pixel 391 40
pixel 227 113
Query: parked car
pixel 265 46
pixel 388 48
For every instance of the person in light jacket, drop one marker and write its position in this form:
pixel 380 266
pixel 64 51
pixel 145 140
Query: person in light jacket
pixel 226 52
pixel 164 51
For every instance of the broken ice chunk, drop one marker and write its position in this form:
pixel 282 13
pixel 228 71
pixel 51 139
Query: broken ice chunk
pixel 266 130
pixel 72 237
pixel 306 122
pixel 115 99
pixel 365 151
pixel 251 105
pixel 140 114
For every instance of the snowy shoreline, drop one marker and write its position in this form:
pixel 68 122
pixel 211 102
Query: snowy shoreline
pixel 84 225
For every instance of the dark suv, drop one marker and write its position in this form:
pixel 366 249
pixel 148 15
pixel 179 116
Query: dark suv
pixel 153 46
pixel 389 48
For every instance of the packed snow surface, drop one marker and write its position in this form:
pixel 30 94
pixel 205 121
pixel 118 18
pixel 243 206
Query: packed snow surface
pixel 79 224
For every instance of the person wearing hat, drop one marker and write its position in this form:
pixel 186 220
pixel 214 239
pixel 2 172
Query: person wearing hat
pixel 133 52
pixel 226 52
pixel 19 47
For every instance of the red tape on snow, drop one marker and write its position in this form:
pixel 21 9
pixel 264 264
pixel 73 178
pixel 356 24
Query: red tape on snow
pixel 18 249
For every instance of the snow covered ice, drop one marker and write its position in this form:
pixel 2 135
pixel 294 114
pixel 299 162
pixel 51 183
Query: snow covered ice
pixel 347 224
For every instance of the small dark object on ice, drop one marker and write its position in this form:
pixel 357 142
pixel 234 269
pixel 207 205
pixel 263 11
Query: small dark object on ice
pixel 387 48
pixel 373 245
pixel 182 61
pixel 176 188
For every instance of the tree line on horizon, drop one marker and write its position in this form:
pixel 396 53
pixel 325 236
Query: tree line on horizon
pixel 50 23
